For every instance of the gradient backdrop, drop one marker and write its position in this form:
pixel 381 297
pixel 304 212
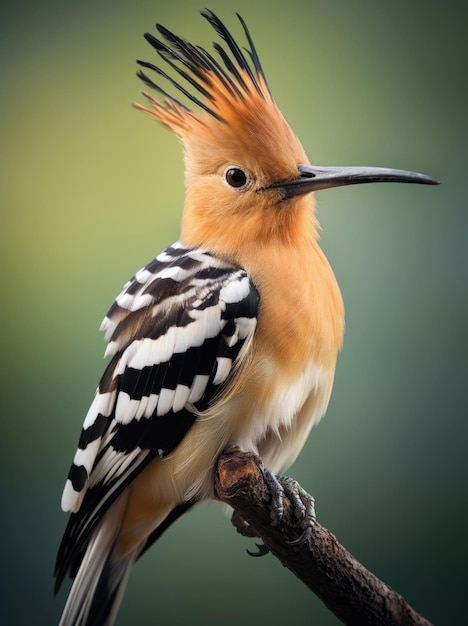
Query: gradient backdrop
pixel 91 190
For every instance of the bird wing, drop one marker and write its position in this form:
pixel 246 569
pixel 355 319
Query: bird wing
pixel 176 333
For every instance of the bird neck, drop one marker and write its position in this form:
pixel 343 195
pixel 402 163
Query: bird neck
pixel 237 235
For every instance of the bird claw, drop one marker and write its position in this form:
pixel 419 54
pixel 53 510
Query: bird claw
pixel 262 550
pixel 303 504
pixel 302 537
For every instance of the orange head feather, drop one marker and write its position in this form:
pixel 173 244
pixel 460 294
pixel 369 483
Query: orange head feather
pixel 237 113
pixel 248 178
pixel 236 124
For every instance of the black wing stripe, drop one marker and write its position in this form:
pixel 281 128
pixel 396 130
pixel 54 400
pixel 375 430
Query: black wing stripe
pixel 174 348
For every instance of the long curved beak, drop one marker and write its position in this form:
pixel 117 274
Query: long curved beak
pixel 314 178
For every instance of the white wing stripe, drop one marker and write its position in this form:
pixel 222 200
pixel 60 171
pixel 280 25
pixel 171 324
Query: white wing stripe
pixel 181 397
pixel 149 352
pixel 223 367
pixel 86 457
pixel 198 387
pixel 151 405
pixel 126 408
pixel 175 272
pixel 143 275
pixel 134 302
pixel 245 327
pixel 236 291
pixel 166 401
pixel 103 404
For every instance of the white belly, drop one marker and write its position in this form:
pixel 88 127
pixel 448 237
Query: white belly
pixel 278 426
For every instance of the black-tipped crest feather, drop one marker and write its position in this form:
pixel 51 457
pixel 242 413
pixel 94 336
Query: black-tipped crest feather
pixel 149 83
pixel 173 82
pixel 178 53
pixel 253 53
pixel 224 33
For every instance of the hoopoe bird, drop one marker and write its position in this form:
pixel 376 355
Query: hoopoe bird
pixel 228 337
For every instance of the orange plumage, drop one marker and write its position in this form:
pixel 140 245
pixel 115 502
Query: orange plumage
pixel 228 337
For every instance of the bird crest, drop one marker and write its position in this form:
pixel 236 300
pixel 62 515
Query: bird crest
pixel 231 94
pixel 222 86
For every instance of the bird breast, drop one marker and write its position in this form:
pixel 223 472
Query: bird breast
pixel 285 386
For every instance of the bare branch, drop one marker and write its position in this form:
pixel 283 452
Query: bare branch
pixel 346 587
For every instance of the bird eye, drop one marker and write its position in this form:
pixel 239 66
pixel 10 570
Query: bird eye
pixel 235 177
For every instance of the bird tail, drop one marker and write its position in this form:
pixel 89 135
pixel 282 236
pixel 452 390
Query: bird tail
pixel 100 583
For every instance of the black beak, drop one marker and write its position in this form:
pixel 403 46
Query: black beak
pixel 315 178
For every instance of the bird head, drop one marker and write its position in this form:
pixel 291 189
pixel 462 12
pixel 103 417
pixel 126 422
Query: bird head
pixel 247 175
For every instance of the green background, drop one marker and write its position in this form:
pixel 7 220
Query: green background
pixel 91 190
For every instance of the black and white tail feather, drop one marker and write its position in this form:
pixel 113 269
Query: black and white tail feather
pixel 176 334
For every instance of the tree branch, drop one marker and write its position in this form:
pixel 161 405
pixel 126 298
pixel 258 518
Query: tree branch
pixel 346 587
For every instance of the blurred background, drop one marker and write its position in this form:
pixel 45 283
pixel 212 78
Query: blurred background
pixel 91 190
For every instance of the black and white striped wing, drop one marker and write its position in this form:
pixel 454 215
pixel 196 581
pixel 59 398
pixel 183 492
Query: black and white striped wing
pixel 176 334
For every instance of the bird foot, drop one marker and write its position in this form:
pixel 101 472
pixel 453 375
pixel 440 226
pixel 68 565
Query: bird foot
pixel 303 504
pixel 246 530
pixel 243 527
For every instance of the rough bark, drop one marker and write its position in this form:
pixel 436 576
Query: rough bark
pixel 346 587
